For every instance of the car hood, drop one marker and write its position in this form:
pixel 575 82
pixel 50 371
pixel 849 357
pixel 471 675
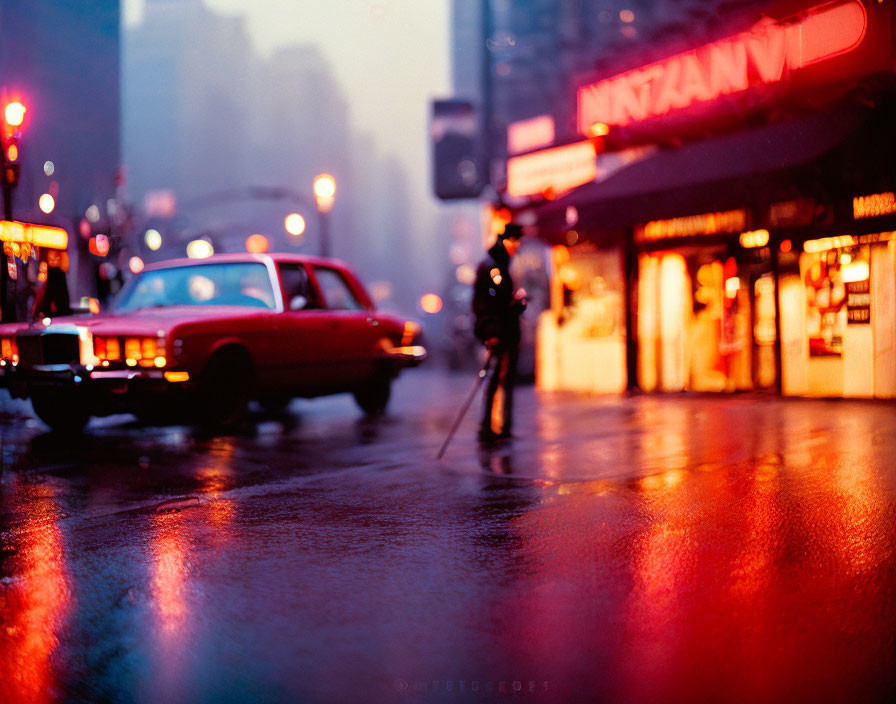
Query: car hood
pixel 152 321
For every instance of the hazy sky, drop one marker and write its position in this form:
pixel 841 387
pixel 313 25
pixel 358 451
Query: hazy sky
pixel 390 56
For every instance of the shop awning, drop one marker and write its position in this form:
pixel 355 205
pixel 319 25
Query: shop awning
pixel 716 174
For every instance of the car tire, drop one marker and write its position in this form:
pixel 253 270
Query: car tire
pixel 373 396
pixel 153 416
pixel 275 404
pixel 61 411
pixel 223 392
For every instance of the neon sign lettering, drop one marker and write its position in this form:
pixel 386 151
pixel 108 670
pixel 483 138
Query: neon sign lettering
pixel 765 55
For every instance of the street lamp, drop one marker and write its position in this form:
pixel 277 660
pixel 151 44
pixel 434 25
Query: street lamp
pixel 294 224
pixel 324 195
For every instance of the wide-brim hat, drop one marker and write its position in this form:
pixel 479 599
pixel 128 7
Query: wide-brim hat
pixel 512 231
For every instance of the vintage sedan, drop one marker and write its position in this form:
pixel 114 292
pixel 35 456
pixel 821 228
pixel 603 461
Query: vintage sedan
pixel 195 340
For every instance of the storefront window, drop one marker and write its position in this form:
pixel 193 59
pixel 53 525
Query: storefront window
pixel 825 300
pixel 706 322
pixel 582 337
pixel 848 322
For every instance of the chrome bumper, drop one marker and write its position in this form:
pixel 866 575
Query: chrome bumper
pixel 409 356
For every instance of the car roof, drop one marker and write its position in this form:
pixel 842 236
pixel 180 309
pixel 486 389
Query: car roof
pixel 237 257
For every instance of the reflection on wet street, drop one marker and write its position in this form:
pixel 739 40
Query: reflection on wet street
pixel 638 549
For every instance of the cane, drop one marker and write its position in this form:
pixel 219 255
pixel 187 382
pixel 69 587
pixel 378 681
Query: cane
pixel 463 411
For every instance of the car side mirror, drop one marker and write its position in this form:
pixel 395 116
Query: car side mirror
pixel 298 303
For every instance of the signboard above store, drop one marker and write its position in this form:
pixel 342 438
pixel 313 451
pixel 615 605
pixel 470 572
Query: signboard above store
pixel 768 54
pixel 551 171
pixel 13 232
pixel 874 205
pixel 726 222
pixel 526 135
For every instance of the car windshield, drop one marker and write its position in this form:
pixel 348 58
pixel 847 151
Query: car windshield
pixel 222 284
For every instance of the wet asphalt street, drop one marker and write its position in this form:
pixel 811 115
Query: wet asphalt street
pixel 639 549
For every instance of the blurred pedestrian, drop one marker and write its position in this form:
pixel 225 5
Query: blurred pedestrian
pixel 52 298
pixel 497 308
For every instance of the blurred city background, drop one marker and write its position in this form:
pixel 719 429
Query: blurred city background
pixel 705 186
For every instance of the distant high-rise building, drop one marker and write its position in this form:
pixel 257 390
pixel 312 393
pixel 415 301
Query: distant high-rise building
pixel 62 60
pixel 206 118
pixel 186 100
pixel 537 50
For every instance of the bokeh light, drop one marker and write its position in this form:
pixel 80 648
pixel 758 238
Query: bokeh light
pixel 294 224
pixel 99 245
pixel 431 303
pixel 46 203
pixel 200 249
pixel 153 239
pixel 256 244
pixel 14 113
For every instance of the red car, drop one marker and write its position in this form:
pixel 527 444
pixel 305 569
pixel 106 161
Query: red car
pixel 196 340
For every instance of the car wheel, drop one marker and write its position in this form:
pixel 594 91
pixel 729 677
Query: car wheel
pixel 373 396
pixel 223 393
pixel 153 416
pixel 275 404
pixel 61 411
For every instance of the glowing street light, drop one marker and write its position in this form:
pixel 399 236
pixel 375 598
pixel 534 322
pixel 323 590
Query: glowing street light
pixel 324 196
pixel 324 192
pixel 153 239
pixel 200 249
pixel 294 224
pixel 46 203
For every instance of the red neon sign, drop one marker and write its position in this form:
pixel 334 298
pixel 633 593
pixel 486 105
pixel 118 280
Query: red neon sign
pixel 767 54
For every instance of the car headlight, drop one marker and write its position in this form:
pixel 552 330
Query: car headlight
pixel 145 351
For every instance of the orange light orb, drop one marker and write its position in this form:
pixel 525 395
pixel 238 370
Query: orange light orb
pixel 257 244
pixel 431 303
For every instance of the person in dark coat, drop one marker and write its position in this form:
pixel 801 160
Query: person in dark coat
pixel 497 307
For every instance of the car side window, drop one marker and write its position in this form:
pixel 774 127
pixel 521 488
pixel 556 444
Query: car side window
pixel 336 292
pixel 295 285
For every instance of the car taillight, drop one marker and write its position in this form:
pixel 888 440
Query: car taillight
pixel 9 350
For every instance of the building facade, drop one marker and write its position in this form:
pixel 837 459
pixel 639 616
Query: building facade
pixel 62 60
pixel 719 195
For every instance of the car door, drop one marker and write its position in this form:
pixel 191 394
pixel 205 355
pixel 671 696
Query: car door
pixel 308 339
pixel 352 327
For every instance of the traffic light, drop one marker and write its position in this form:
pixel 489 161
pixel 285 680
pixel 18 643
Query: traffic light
pixel 458 163
pixel 13 117
pixel 14 114
pixel 12 152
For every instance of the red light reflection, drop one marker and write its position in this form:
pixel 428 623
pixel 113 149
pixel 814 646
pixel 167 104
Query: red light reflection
pixel 37 603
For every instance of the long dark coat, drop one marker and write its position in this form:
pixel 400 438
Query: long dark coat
pixel 496 311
